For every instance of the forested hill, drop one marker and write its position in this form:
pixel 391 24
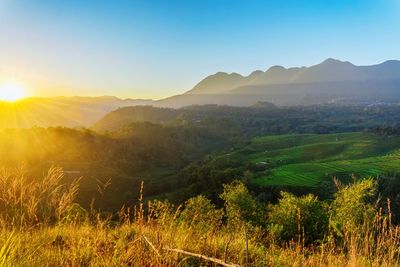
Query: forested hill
pixel 140 152
pixel 260 119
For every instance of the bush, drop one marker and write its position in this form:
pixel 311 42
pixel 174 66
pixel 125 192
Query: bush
pixel 241 207
pixel 161 212
pixel 352 206
pixel 200 214
pixel 296 216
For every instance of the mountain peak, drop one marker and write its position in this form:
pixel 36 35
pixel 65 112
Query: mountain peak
pixel 391 62
pixel 220 73
pixel 256 73
pixel 224 74
pixel 276 68
pixel 218 82
pixel 332 61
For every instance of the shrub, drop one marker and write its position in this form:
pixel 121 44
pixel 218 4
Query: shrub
pixel 200 214
pixel 352 206
pixel 161 212
pixel 241 207
pixel 296 216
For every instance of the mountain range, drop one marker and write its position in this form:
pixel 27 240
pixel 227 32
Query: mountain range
pixel 331 80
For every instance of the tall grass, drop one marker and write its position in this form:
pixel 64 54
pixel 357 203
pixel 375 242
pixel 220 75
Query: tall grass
pixel 34 232
pixel 30 202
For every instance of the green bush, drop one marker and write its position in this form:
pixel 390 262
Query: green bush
pixel 241 207
pixel 200 214
pixel 295 217
pixel 162 212
pixel 352 206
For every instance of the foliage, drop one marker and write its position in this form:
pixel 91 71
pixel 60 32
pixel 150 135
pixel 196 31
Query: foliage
pixel 298 217
pixel 241 207
pixel 353 206
pixel 140 151
pixel 161 211
pixel 237 122
pixel 200 213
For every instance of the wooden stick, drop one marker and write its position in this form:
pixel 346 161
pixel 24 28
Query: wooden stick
pixel 152 246
pixel 218 261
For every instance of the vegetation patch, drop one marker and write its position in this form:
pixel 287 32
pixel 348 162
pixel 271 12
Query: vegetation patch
pixel 309 159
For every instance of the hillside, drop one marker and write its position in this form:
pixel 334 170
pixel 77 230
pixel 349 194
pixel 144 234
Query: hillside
pixel 122 117
pixel 43 228
pixel 60 111
pixel 311 160
pixel 259 119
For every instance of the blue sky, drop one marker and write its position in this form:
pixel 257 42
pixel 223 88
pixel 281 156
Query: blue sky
pixel 153 49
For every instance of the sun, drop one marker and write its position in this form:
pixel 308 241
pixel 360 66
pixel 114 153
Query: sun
pixel 11 92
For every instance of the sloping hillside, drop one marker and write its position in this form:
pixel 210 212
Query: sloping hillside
pixel 60 111
pixel 309 160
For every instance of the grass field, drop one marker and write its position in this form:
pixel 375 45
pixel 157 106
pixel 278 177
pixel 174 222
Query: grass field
pixel 307 160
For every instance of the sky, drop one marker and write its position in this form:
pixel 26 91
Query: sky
pixel 158 48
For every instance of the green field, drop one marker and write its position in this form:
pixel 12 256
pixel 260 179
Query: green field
pixel 308 160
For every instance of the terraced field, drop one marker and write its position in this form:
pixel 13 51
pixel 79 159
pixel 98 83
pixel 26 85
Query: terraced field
pixel 307 160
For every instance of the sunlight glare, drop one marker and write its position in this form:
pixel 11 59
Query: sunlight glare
pixel 11 92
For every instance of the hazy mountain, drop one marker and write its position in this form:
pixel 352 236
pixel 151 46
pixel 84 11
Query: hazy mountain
pixel 185 100
pixel 218 83
pixel 121 117
pixel 330 80
pixel 60 111
pixel 330 70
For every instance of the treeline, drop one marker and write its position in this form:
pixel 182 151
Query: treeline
pixel 386 130
pixel 247 122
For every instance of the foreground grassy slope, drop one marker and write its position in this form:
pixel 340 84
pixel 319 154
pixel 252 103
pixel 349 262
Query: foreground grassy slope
pixel 126 245
pixel 41 225
pixel 307 160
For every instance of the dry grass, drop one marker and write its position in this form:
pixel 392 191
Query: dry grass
pixel 34 232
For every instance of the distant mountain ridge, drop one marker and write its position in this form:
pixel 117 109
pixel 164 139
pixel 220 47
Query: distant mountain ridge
pixel 328 81
pixel 330 70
